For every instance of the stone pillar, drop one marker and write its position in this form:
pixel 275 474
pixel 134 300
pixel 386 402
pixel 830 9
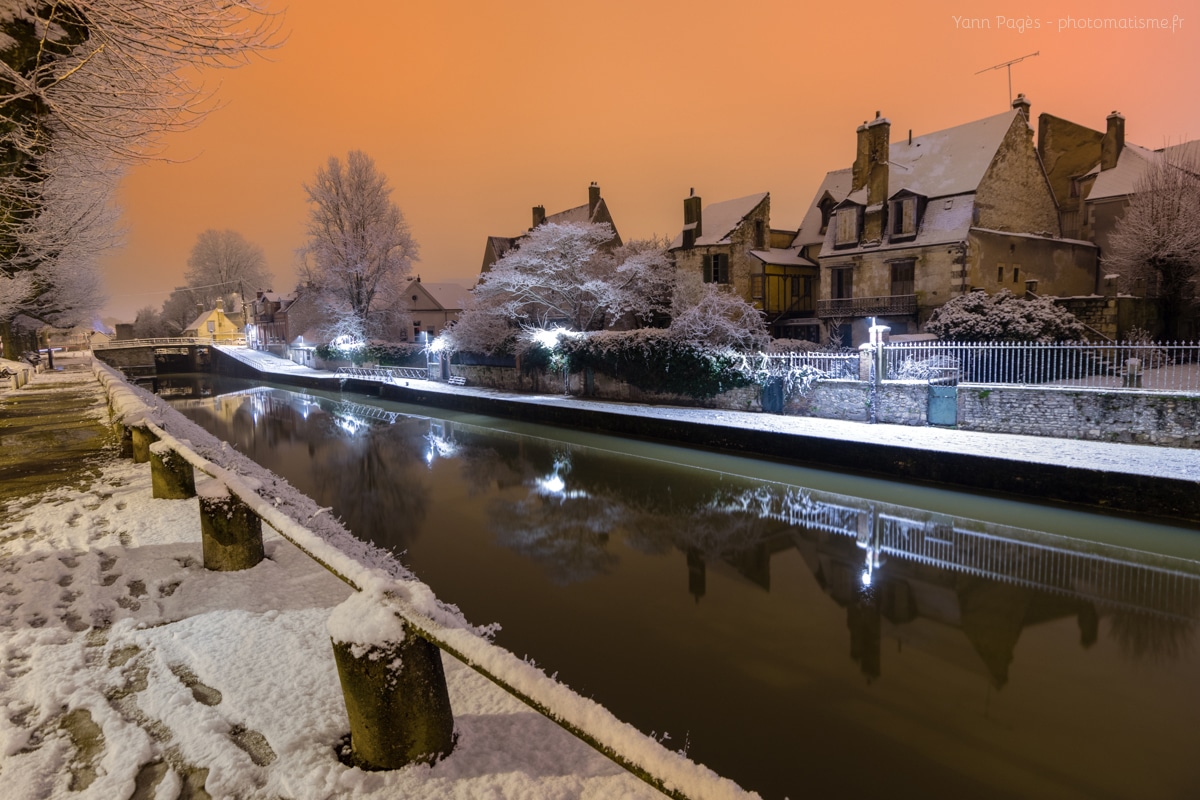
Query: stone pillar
pixel 230 530
pixel 1133 374
pixel 142 439
pixel 393 686
pixel 125 438
pixel 171 476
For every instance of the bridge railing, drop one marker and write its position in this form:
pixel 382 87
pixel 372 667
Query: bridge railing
pixel 384 373
pixel 174 465
pixel 167 341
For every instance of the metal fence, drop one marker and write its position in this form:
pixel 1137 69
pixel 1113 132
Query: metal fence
pixel 1160 367
pixel 117 344
pixel 831 365
pixel 384 373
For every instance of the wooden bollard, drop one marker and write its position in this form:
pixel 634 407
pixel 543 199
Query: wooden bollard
pixel 393 685
pixel 171 476
pixel 142 439
pixel 230 530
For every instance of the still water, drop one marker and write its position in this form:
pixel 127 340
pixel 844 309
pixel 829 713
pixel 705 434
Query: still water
pixel 806 634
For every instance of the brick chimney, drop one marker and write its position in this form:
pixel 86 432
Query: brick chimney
pixel 692 223
pixel 1022 104
pixel 1113 142
pixel 593 198
pixel 862 160
pixel 539 215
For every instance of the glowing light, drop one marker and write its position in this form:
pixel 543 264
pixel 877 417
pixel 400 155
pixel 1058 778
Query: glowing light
pixel 437 345
pixel 549 338
pixel 348 343
pixel 552 485
pixel 866 577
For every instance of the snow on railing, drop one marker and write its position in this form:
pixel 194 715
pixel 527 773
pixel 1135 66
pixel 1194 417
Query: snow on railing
pixel 831 365
pixel 1157 367
pixel 117 344
pixel 644 756
pixel 384 373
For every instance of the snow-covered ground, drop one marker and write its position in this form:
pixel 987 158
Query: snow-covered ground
pixel 131 671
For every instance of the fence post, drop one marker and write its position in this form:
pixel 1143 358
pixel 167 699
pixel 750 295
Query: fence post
pixel 230 531
pixel 171 476
pixel 393 686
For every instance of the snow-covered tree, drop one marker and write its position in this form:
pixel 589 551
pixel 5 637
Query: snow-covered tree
pixel 1004 317
pixel 359 250
pixel 178 311
pixel 555 277
pixel 86 85
pixel 706 313
pixel 1157 241
pixel 223 263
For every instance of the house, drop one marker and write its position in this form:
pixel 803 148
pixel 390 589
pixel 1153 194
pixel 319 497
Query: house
pixel 732 243
pixel 266 326
pixel 433 306
pixel 1094 175
pixel 594 211
pixel 216 326
pixel 916 222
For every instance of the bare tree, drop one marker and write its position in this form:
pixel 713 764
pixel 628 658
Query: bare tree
pixel 86 85
pixel 178 311
pixel 359 251
pixel 1157 240
pixel 224 263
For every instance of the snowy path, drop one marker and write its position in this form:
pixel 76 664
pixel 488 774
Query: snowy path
pixel 131 671
pixel 1147 460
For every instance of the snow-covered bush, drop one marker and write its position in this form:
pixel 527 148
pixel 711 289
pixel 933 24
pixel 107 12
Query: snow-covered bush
pixel 707 314
pixel 1003 317
pixel 657 360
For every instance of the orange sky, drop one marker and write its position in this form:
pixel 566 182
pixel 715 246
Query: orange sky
pixel 477 111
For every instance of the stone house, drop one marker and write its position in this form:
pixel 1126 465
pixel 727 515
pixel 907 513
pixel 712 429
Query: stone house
pixel 433 306
pixel 916 222
pixel 216 325
pixel 732 243
pixel 1094 174
pixel 594 211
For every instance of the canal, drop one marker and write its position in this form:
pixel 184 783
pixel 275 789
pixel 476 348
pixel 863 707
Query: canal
pixel 806 634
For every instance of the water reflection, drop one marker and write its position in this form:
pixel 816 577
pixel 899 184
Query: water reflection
pixel 582 554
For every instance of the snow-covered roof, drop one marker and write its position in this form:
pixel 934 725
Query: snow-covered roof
pixel 718 220
pixel 837 186
pixel 579 215
pixel 947 219
pixel 783 257
pixel 450 296
pixel 200 320
pixel 1132 164
pixel 950 161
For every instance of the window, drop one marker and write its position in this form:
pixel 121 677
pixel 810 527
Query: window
pixel 1000 272
pixel 760 234
pixel 841 283
pixel 716 268
pixel 756 287
pixel 847 226
pixel 902 276
pixel 1016 273
pixel 904 217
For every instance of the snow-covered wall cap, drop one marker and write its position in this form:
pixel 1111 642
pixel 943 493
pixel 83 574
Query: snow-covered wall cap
pixel 212 489
pixel 365 619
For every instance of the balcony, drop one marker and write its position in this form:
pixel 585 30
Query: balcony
pixel 891 305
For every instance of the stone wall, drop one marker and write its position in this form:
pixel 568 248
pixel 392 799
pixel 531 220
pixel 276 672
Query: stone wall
pixel 1137 417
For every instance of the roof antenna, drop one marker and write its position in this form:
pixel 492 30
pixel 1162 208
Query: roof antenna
pixel 1008 65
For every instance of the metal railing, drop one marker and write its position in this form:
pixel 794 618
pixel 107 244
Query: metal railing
pixel 867 306
pixel 832 366
pixel 384 373
pixel 1157 367
pixel 167 341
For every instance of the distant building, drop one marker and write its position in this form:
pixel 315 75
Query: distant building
pixel 732 243
pixel 433 306
pixel 216 326
pixel 594 211
pixel 916 222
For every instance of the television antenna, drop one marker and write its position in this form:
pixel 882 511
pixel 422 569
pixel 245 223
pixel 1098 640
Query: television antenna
pixel 1007 65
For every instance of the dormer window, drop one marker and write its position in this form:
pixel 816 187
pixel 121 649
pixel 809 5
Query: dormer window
pixel 846 232
pixel 903 217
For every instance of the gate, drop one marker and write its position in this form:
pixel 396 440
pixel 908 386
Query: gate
pixel 943 400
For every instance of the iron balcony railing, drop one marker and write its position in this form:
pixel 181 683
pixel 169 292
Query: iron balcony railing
pixel 1158 367
pixel 867 306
